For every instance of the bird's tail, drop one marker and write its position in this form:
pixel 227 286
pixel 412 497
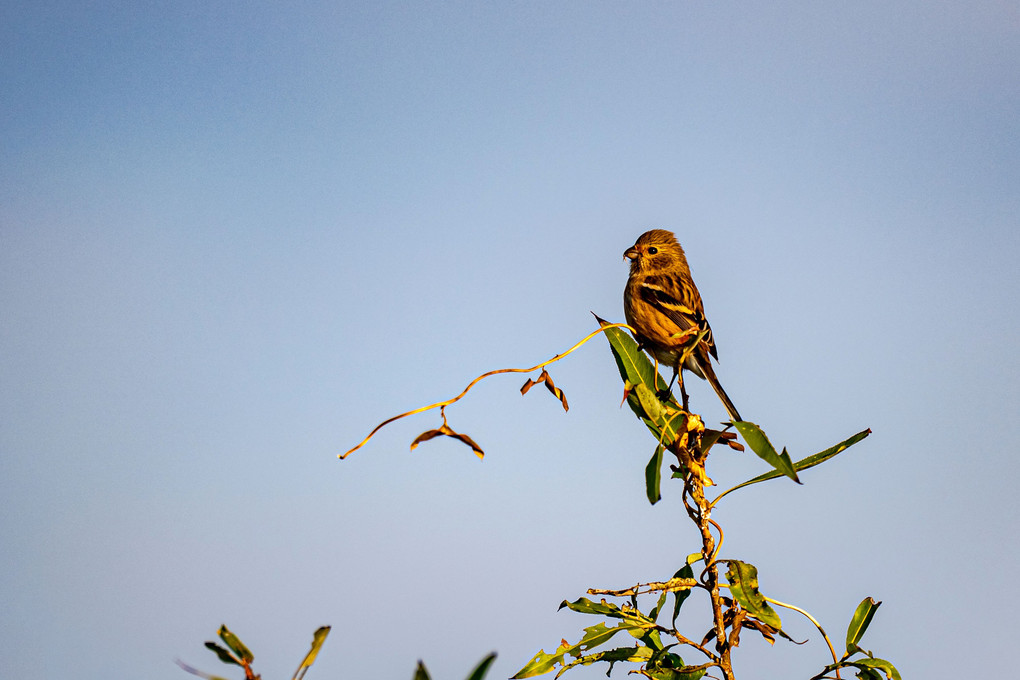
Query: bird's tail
pixel 709 374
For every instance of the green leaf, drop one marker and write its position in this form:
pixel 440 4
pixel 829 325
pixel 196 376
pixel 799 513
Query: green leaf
pixel 743 580
pixel 887 668
pixel 583 605
pixel 635 368
pixel 860 622
pixel 643 383
pixel 628 614
pixel 482 668
pixel 664 420
pixel 224 655
pixel 804 463
pixel 653 476
pixel 652 408
pixel 236 645
pixel 421 673
pixel 612 656
pixel 597 635
pixel 761 445
pixel 666 665
pixel 689 673
pixel 318 637
pixel 593 637
pixel 649 637
pixel 632 621
pixel 681 595
pixel 654 614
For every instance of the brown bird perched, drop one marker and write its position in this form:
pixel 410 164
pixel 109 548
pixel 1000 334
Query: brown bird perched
pixel 664 306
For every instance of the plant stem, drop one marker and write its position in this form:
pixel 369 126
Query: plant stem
pixel 700 515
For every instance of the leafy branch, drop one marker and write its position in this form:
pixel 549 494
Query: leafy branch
pixel 736 601
pixel 684 435
pixel 236 653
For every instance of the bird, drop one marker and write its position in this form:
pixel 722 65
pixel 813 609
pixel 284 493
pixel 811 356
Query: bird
pixel 663 306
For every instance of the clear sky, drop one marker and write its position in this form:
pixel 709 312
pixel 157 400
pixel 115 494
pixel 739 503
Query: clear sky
pixel 236 236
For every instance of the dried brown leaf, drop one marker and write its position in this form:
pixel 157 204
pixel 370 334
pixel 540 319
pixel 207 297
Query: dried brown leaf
pixel 736 622
pixel 447 431
pixel 425 436
pixel 767 631
pixel 550 385
pixel 557 392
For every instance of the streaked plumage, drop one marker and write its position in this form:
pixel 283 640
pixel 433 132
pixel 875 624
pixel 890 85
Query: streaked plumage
pixel 661 303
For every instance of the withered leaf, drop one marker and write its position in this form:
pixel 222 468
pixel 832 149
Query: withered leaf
pixel 550 385
pixel 767 631
pixel 447 431
pixel 709 439
pixel 736 624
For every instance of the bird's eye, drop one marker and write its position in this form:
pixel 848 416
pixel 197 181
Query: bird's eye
pixel 653 250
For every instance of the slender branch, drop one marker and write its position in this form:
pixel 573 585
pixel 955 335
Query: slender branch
pixel 670 586
pixel 443 404
pixel 691 643
pixel 699 514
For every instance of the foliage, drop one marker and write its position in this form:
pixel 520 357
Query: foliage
pixel 237 654
pixel 477 673
pixel 745 607
pixel 655 644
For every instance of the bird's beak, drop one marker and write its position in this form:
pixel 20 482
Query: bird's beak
pixel 631 253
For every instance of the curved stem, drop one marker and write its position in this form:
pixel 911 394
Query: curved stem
pixel 443 404
pixel 718 546
pixel 812 619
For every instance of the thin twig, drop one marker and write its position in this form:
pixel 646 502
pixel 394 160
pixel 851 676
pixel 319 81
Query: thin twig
pixel 670 586
pixel 691 643
pixel 443 404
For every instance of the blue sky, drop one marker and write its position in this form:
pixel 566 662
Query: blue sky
pixel 234 238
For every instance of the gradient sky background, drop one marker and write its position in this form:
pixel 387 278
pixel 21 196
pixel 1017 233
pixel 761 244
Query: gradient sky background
pixel 236 236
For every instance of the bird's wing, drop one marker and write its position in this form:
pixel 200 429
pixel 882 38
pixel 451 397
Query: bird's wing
pixel 655 291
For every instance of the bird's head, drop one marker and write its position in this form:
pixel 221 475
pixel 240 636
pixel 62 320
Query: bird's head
pixel 655 250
